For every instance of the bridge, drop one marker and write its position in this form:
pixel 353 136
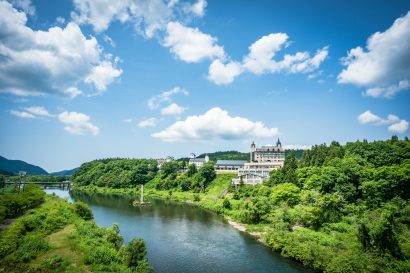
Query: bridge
pixel 61 184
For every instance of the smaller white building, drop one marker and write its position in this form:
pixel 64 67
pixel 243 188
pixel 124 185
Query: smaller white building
pixel 161 161
pixel 197 161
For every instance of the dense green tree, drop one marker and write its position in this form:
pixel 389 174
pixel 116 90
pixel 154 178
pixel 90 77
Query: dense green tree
pixel 289 169
pixel 137 251
pixel 191 170
pixel 286 192
pixel 170 167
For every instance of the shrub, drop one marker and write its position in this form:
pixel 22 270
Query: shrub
pixel 82 210
pixel 30 247
pixel 54 263
pixel 226 204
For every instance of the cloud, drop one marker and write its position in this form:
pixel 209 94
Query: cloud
pixel 199 8
pixel 78 123
pixel 190 44
pixel 165 97
pixel 127 120
pixel 24 5
pixel 38 111
pixel 147 17
pixel 260 60
pixel 172 110
pixel 32 112
pixel 21 114
pixel 60 20
pixel 99 13
pixel 369 117
pixel 48 62
pixel 388 91
pixel 400 127
pixel 220 73
pixel 108 40
pixel 149 122
pixel 73 92
pixel 396 125
pixel 384 66
pixel 103 75
pixel 214 124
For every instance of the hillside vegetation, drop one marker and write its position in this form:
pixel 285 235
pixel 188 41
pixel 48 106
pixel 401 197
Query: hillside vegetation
pixel 62 237
pixel 340 208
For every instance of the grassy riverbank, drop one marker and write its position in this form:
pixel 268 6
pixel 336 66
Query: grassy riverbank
pixel 62 237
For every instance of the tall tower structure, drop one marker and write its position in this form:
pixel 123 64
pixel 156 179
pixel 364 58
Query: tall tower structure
pixel 252 152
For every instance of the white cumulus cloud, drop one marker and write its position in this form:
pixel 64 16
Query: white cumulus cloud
pixel 172 110
pixel 396 125
pixel 399 127
pixel 32 112
pixel 40 62
pixel 25 5
pixel 165 97
pixel 383 67
pixel 221 73
pixel 149 122
pixel 215 124
pixel 261 60
pixel 38 111
pixel 21 114
pixel 190 44
pixel 199 8
pixel 147 16
pixel 78 123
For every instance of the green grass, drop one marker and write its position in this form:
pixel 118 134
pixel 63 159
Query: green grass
pixel 61 257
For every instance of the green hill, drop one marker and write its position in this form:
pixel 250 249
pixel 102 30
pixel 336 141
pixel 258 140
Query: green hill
pixel 14 166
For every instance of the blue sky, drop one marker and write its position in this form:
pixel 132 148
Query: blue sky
pixel 82 79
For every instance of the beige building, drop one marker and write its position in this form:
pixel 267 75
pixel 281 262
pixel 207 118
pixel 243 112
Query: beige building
pixel 262 161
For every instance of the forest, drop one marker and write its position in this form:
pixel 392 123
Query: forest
pixel 340 208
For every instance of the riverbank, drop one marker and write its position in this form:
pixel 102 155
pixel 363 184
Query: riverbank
pixel 61 237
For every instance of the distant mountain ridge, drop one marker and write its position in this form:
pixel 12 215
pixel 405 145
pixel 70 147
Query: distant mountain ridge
pixel 65 172
pixel 14 166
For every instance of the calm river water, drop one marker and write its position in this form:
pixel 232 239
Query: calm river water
pixel 182 238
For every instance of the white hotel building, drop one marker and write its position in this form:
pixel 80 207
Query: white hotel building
pixel 262 161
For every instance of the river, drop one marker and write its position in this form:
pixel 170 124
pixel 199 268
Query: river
pixel 184 238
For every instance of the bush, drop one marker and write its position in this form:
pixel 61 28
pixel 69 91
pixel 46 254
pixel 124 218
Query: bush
pixel 82 210
pixel 55 263
pixel 30 248
pixel 2 213
pixel 226 204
